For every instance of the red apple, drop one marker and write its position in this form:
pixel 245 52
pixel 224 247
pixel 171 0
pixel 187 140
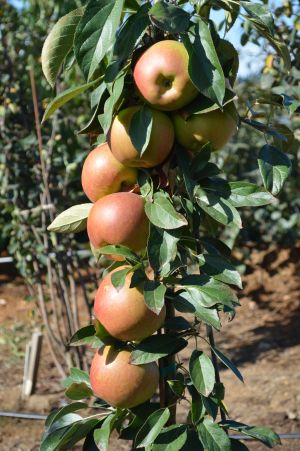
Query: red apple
pixel 123 312
pixel 120 383
pixel 159 147
pixel 119 218
pixel 216 127
pixel 161 76
pixel 103 174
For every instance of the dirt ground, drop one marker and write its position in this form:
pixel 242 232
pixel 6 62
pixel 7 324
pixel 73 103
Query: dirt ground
pixel 263 339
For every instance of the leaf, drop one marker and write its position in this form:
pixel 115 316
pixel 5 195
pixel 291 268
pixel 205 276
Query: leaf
pixel 197 408
pixel 186 303
pixel 202 373
pixel 102 435
pixel 177 323
pixel 263 434
pixel 156 347
pixel 260 13
pixel 78 376
pixel 54 435
pixel 120 251
pixel 220 268
pixel 210 80
pixel 227 362
pixel 59 413
pixel 152 428
pixel 105 118
pixel 86 336
pixel 236 445
pixel 78 391
pixel 200 160
pixel 141 128
pixel 162 249
pixel 118 278
pixel 103 335
pixel 275 167
pixel 245 194
pixel 169 17
pixel 212 436
pixel 64 97
pixel 76 432
pixel 176 386
pixel 162 214
pixel 128 37
pixel 171 438
pixel 154 294
pixel 95 33
pixel 217 207
pixel 58 44
pixel 72 220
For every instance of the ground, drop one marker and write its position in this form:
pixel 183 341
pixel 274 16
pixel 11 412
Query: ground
pixel 263 340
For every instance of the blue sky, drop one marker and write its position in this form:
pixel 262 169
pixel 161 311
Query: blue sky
pixel 251 56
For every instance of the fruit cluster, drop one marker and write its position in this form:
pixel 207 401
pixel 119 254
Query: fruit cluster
pixel 117 217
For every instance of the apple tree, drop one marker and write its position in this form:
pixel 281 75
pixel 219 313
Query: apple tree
pixel 161 78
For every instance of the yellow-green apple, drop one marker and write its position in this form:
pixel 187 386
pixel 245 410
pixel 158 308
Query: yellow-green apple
pixel 216 127
pixel 118 218
pixel 161 76
pixel 160 144
pixel 118 382
pixel 103 174
pixel 123 311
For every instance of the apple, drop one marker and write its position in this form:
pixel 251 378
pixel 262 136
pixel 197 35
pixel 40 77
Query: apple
pixel 121 384
pixel 161 76
pixel 160 144
pixel 123 312
pixel 216 127
pixel 103 174
pixel 118 218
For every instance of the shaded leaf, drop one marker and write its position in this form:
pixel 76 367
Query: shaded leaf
pixel 141 128
pixel 169 17
pixel 186 303
pixel 86 336
pixel 171 438
pixel 220 268
pixel 155 347
pixel 263 434
pixel 154 294
pixel 275 167
pixel 162 250
pixel 102 435
pixel 227 362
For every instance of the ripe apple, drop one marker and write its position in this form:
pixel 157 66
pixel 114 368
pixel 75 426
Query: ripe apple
pixel 103 174
pixel 123 312
pixel 159 147
pixel 118 382
pixel 119 218
pixel 161 76
pixel 216 127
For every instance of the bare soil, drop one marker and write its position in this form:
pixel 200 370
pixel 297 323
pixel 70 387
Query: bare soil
pixel 263 339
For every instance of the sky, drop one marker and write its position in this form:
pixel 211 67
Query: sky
pixel 251 56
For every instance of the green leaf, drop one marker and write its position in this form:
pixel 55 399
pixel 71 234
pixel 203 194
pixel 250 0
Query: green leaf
pixel 65 96
pixel 76 432
pixel 72 220
pixel 177 323
pixel 263 434
pixel 152 428
pixel 128 37
pixel 58 44
pixel 220 268
pixel 210 80
pixel 59 413
pixel 162 214
pixel 102 435
pixel 260 13
pixel 197 408
pixel 118 278
pixel 105 118
pixel 275 167
pixel 200 160
pixel 202 373
pixel 54 435
pixel 162 250
pixel 78 376
pixel 120 251
pixel 212 436
pixel 169 17
pixel 78 391
pixel 217 207
pixel 245 194
pixel 103 335
pixel 171 438
pixel 156 347
pixel 227 362
pixel 141 128
pixel 187 304
pixel 236 445
pixel 154 294
pixel 86 336
pixel 95 33
pixel 177 387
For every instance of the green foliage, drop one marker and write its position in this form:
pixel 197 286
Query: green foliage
pixel 189 203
